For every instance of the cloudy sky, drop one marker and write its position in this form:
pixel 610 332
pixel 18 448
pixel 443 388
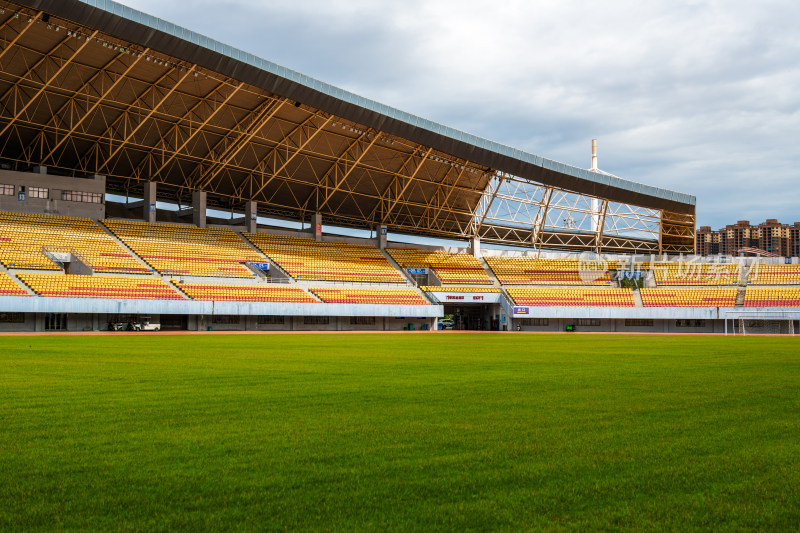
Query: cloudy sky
pixel 696 96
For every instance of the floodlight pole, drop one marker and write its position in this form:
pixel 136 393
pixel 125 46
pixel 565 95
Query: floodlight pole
pixel 595 201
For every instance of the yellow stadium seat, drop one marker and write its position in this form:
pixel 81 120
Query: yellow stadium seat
pixel 522 270
pixel 245 293
pixel 304 258
pixel 772 297
pixel 181 249
pixel 9 288
pixel 571 297
pixel 763 274
pixel 23 236
pixel 99 286
pixel 689 297
pixel 450 268
pixel 369 296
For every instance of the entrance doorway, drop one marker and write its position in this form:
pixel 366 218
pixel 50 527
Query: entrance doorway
pixel 473 317
pixel 174 322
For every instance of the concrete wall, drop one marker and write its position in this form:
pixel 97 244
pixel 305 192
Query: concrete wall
pixel 462 298
pixel 298 323
pixel 191 307
pixel 82 322
pixel 99 322
pixel 28 324
pixel 619 326
pixel 655 313
pixel 53 205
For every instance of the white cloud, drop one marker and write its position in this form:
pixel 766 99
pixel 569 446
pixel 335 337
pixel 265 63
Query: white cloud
pixel 696 96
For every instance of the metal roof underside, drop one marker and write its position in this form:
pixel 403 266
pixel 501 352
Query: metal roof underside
pixel 93 87
pixel 151 32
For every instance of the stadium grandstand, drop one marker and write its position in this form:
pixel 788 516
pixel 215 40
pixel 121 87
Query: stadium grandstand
pixel 124 139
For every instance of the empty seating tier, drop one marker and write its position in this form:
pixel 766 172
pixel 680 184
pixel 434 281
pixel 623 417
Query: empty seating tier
pixel 761 274
pixel 370 296
pixel 304 258
pixel 9 288
pixel 245 293
pixel 450 288
pixel 455 268
pixel 772 297
pixel 691 273
pixel 571 297
pixel 522 270
pixel 187 250
pixel 689 297
pixel 116 287
pixel 24 238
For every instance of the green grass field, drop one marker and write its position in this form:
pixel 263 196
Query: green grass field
pixel 399 432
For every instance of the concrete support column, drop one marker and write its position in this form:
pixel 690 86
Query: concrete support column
pixel 316 226
pixel 382 236
pixel 199 203
pixel 475 246
pixel 39 170
pixel 102 179
pixel 251 216
pixel 149 207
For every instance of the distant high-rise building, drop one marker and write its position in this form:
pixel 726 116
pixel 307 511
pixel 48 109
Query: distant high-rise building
pixel 707 241
pixel 743 238
pixel 794 239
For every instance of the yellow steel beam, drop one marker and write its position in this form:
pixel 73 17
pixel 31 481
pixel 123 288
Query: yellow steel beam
pixel 174 153
pixel 296 152
pixel 349 171
pixel 47 83
pixel 10 46
pixel 93 107
pixel 265 114
pixel 145 119
pixel 409 180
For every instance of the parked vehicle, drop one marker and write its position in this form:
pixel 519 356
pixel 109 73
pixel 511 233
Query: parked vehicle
pixel 145 325
pixel 447 323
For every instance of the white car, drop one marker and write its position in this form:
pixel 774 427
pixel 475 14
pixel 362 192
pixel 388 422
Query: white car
pixel 447 323
pixel 146 325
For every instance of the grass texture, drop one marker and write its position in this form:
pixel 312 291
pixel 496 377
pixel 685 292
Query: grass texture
pixel 395 432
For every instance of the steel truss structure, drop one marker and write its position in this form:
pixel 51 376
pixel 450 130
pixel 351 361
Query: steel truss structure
pixel 82 101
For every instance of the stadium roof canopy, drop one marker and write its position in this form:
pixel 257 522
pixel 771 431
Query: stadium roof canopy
pixel 95 87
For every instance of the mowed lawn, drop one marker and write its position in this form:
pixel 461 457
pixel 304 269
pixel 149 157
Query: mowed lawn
pixel 399 432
